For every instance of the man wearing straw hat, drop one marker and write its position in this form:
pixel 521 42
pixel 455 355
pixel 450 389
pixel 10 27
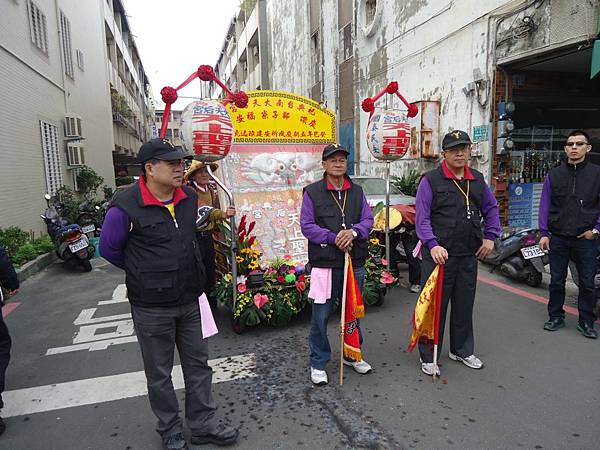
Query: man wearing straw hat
pixel 452 200
pixel 335 218
pixel 209 214
pixel 150 232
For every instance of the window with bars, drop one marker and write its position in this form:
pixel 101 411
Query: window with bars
pixel 37 27
pixel 49 134
pixel 67 51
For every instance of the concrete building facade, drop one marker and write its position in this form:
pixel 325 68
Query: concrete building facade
pixel 56 113
pixel 448 56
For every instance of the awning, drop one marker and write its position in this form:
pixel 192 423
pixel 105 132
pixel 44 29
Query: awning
pixel 595 59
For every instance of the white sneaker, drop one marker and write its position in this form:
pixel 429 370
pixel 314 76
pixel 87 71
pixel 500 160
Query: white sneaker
pixel 470 361
pixel 361 367
pixel 415 288
pixel 428 368
pixel 318 377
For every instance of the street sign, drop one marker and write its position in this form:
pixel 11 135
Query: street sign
pixel 480 133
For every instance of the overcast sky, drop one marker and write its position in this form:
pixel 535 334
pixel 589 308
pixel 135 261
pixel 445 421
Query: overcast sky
pixel 177 36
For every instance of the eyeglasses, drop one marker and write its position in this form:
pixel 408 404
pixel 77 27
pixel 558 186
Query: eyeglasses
pixel 576 144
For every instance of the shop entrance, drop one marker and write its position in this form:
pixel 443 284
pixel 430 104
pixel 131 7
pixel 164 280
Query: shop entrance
pixel 545 97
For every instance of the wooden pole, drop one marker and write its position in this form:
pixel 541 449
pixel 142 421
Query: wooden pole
pixel 343 318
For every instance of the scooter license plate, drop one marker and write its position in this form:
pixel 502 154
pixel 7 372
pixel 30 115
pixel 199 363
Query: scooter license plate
pixel 79 245
pixel 88 229
pixel 532 252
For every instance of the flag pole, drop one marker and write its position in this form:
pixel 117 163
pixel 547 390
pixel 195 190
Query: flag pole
pixel 343 318
pixel 435 362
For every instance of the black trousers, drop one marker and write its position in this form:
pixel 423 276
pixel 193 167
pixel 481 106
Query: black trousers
pixel 5 344
pixel 207 249
pixel 460 282
pixel 414 265
pixel 159 331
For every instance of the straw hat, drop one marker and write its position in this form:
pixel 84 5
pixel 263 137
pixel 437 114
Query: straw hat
pixel 196 165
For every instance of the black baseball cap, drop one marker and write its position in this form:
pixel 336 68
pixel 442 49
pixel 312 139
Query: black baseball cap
pixel 160 149
pixel 333 148
pixel 455 138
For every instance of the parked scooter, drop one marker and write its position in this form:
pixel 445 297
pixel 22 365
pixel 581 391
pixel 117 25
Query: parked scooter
pixel 70 243
pixel 87 219
pixel 517 254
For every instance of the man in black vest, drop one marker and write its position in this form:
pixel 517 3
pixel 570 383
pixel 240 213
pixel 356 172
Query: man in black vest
pixel 451 202
pixel 150 232
pixel 335 218
pixel 570 223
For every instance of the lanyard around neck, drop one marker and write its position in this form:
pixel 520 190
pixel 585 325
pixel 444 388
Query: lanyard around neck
pixel 342 207
pixel 465 194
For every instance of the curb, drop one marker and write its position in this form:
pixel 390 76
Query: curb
pixel 35 266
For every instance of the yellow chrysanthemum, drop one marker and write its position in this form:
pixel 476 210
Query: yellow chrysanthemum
pixel 374 241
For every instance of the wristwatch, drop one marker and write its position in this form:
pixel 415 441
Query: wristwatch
pixel 355 234
pixel 596 233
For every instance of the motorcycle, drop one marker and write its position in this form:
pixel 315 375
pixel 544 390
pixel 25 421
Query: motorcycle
pixel 70 243
pixel 87 219
pixel 517 254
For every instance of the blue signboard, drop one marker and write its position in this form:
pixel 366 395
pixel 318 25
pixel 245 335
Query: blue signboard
pixel 523 204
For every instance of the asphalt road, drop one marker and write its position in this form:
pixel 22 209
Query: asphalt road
pixel 68 389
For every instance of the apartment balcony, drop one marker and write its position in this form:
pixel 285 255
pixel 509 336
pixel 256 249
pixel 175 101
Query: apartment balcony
pixel 120 119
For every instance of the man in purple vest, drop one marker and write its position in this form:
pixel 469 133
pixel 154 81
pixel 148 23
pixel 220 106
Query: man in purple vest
pixel 452 201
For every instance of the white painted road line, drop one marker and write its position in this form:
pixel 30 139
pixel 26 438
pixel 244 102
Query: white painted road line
pixel 119 296
pixel 110 388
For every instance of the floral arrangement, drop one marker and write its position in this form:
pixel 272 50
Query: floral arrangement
pixel 377 277
pixel 282 294
pixel 276 291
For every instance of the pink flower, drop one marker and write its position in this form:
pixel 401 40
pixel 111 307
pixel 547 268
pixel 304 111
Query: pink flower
pixel 241 288
pixel 260 300
pixel 300 286
pixel 384 261
pixel 387 278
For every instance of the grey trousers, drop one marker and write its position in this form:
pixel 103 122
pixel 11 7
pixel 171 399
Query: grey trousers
pixel 158 331
pixel 460 281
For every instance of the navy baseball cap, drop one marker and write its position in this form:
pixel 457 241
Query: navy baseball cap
pixel 333 148
pixel 160 149
pixel 455 138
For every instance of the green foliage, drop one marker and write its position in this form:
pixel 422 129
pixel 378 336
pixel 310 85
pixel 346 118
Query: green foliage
pixel 119 104
pixel 124 181
pixel 108 193
pixel 408 183
pixel 88 182
pixel 12 238
pixel 378 207
pixel 43 245
pixel 68 198
pixel 24 253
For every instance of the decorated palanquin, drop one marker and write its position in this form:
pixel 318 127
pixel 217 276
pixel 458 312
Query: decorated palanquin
pixel 278 141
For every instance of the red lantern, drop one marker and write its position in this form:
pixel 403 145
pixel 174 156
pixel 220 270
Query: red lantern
pixel 388 135
pixel 207 130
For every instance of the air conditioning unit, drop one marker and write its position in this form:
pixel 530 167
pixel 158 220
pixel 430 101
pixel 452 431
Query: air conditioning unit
pixel 73 126
pixel 75 155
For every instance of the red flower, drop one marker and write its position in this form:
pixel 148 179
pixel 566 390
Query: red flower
pixel 241 288
pixel 301 278
pixel 242 235
pixel 280 279
pixel 292 271
pixel 251 241
pixel 242 226
pixel 251 226
pixel 300 286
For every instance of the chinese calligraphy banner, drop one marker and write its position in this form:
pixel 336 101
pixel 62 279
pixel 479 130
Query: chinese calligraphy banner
pixel 282 117
pixel 267 182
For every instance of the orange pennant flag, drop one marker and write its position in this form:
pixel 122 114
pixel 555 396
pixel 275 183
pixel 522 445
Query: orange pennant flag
pixel 355 309
pixel 426 317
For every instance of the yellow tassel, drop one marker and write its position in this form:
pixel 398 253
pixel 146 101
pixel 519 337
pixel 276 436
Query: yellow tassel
pixel 352 353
